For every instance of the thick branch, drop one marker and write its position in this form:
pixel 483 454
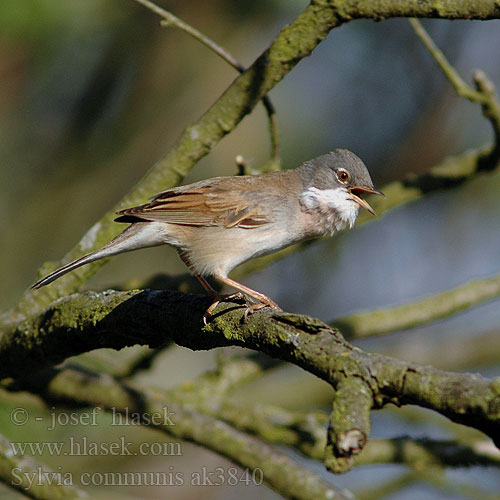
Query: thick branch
pixel 378 10
pixel 88 321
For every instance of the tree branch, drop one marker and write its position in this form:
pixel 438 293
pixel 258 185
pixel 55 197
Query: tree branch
pixel 347 10
pixel 462 89
pixel 87 321
pixel 419 453
pixel 349 425
pixel 306 431
pixel 419 312
pixel 484 93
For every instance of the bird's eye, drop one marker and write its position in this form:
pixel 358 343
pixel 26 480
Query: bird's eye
pixel 343 175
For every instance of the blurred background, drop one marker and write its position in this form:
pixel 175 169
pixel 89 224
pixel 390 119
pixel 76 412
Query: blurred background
pixel 93 92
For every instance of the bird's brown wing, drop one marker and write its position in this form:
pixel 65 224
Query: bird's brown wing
pixel 207 205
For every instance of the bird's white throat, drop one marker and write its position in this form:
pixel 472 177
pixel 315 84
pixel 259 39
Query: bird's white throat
pixel 328 200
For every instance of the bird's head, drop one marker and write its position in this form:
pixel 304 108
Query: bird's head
pixel 335 183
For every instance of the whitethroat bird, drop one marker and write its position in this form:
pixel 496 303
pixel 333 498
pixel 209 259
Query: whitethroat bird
pixel 217 224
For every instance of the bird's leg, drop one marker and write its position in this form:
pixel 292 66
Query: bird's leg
pixel 211 292
pixel 204 283
pixel 263 300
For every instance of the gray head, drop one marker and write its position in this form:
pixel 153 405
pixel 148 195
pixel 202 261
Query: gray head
pixel 339 168
pixel 335 182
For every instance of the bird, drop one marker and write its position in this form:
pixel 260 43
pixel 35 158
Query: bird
pixel 219 223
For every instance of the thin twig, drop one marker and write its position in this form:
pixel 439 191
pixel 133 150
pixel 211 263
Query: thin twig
pixel 484 93
pixel 419 312
pixel 389 487
pixel 455 79
pixel 172 20
pixel 420 452
pixel 491 106
pixel 18 471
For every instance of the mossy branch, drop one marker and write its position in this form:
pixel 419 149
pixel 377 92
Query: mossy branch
pixel 87 321
pixel 379 10
pixel 349 425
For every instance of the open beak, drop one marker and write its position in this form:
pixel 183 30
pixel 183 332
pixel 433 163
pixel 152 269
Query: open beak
pixel 356 193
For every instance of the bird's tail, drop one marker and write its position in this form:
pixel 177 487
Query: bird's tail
pixel 137 235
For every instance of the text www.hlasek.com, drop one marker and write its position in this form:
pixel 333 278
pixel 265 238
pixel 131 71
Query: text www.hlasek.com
pixel 84 447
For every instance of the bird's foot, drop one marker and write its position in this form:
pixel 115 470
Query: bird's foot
pixel 238 296
pixel 256 306
pixel 217 298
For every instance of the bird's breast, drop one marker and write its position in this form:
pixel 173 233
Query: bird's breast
pixel 217 250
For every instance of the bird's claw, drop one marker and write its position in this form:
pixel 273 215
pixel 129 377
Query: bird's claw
pixel 250 308
pixel 221 298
